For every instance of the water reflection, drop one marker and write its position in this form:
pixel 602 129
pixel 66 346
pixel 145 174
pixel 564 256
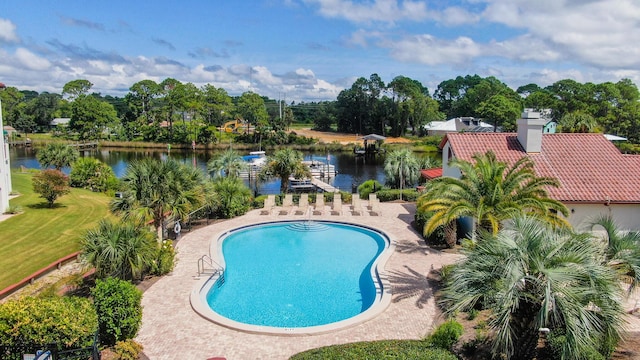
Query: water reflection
pixel 351 170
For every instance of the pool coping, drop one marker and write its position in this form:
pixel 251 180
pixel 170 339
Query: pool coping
pixel 197 297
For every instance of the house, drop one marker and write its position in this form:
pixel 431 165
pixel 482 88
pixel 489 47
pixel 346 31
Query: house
pixel 595 177
pixel 459 124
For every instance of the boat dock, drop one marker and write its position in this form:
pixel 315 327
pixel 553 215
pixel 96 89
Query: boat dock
pixel 323 185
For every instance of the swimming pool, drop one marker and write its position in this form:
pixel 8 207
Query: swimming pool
pixel 296 277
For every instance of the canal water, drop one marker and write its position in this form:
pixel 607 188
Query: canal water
pixel 351 170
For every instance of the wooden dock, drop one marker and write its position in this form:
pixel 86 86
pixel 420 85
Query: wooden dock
pixel 323 185
pixel 86 145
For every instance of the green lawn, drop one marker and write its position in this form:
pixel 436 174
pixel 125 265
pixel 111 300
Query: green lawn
pixel 40 235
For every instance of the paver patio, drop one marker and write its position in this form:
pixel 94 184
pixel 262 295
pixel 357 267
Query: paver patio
pixel 172 330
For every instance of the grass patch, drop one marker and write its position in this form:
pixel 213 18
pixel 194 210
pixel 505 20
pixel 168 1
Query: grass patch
pixel 40 235
pixel 388 349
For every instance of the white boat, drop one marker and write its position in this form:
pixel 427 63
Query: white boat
pixel 256 160
pixel 320 169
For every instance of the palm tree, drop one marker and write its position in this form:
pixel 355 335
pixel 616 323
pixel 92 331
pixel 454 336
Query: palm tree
pixel 57 155
pixel 284 164
pixel 232 197
pixel 122 250
pixel 229 163
pixel 531 275
pixel 623 251
pixel 490 192
pixel 155 189
pixel 401 168
pixel 578 122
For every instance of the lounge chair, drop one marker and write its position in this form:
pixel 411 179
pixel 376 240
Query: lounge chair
pixel 374 205
pixel 303 204
pixel 269 204
pixel 336 207
pixel 318 208
pixel 356 205
pixel 287 204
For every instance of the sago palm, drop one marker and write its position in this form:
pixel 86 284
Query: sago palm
pixel 491 192
pixel 531 275
pixel 402 168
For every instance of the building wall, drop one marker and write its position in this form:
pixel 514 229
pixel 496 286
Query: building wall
pixel 626 216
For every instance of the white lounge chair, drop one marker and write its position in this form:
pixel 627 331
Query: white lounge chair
pixel 269 204
pixel 287 204
pixel 374 205
pixel 356 205
pixel 303 204
pixel 336 207
pixel 318 208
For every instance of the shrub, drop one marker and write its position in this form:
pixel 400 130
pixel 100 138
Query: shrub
pixel 557 340
pixel 394 194
pixel 127 350
pixel 50 184
pixel 93 174
pixel 166 259
pixel 437 237
pixel 70 322
pixel 117 304
pixel 368 187
pixel 446 335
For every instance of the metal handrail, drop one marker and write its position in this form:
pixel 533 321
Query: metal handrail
pixel 207 260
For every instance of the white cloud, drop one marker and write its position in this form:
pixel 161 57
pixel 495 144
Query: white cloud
pixel 426 49
pixel 8 31
pixel 30 60
pixel 388 11
pixel 599 33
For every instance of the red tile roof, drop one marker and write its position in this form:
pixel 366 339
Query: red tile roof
pixel 431 173
pixel 589 167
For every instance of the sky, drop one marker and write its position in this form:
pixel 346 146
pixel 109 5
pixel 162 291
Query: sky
pixel 310 50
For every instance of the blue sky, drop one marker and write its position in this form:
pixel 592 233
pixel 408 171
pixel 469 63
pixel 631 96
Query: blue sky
pixel 310 50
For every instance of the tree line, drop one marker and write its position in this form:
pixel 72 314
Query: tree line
pixel 172 111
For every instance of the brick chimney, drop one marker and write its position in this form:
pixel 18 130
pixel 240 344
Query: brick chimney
pixel 530 131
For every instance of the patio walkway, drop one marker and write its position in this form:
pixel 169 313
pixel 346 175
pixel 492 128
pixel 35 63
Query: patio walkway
pixel 172 330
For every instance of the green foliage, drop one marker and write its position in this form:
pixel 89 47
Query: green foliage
pixel 368 187
pixel 446 335
pixel 557 344
pixel 57 155
pixel 90 117
pixel 68 321
pixel 229 197
pixel 128 350
pixel 123 250
pixel 93 174
pixel 402 168
pixel 533 275
pixel 119 309
pixel 394 194
pixel 283 164
pixel 50 184
pixel 165 260
pixel 472 314
pixel 388 349
pixel 437 237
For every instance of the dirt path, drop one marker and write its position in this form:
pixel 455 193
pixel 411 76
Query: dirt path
pixel 342 138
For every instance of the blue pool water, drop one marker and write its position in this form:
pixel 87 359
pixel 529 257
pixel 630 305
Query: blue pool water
pixel 297 274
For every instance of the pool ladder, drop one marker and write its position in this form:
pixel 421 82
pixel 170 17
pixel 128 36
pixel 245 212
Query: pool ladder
pixel 206 266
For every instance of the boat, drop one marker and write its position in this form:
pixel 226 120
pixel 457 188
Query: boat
pixel 320 169
pixel 256 160
pixel 301 185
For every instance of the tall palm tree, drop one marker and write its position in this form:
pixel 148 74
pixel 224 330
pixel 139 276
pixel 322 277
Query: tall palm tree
pixel 284 164
pixel 154 189
pixel 578 122
pixel 402 168
pixel 229 163
pixel 490 192
pixel 57 155
pixel 531 275
pixel 122 250
pixel 623 251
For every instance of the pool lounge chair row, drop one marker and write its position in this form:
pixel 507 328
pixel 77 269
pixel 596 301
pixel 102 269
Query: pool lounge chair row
pixel 356 207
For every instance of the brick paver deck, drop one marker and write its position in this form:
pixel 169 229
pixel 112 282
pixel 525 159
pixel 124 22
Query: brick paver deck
pixel 172 330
